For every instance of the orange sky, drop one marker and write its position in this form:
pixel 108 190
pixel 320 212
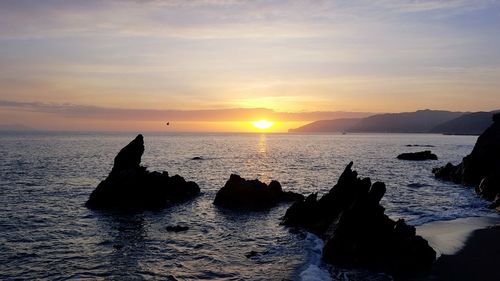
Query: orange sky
pixel 133 65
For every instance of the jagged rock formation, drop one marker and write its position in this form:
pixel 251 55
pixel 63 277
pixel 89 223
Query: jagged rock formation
pixel 357 232
pixel 239 193
pixel 418 156
pixel 481 168
pixel 130 186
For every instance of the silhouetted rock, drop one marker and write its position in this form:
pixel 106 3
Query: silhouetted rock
pixel 418 156
pixel 481 168
pixel 177 228
pixel 357 232
pixel 420 145
pixel 197 158
pixel 251 254
pixel 129 157
pixel 130 186
pixel 239 193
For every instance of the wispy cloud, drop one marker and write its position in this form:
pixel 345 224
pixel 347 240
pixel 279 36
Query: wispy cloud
pixel 210 19
pixel 216 115
pixel 413 6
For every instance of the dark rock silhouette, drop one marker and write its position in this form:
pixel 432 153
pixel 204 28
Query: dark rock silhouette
pixel 418 156
pixel 198 158
pixel 130 186
pixel 251 254
pixel 239 193
pixel 357 232
pixel 177 228
pixel 420 145
pixel 129 157
pixel 481 168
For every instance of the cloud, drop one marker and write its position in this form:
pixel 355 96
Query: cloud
pixel 216 115
pixel 208 19
pixel 367 55
pixel 412 6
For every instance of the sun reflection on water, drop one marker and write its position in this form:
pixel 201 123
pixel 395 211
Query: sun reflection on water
pixel 262 145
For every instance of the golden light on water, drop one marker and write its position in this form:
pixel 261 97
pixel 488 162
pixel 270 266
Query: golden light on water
pixel 262 124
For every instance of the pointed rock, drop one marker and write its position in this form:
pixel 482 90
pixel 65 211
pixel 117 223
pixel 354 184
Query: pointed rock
pixel 130 186
pixel 357 232
pixel 129 157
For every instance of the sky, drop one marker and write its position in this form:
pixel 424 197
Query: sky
pixel 218 65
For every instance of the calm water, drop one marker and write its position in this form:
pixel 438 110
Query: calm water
pixel 47 233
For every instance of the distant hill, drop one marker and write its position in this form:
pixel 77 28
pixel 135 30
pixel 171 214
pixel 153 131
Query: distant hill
pixel 421 121
pixel 326 126
pixel 468 124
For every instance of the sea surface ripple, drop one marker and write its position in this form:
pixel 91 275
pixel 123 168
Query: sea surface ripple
pixel 47 233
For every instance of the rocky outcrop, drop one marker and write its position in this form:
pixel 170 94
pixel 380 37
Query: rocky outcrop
pixel 130 186
pixel 239 193
pixel 481 168
pixel 357 232
pixel 418 156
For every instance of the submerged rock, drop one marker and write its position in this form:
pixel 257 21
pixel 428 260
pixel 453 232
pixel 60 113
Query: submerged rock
pixel 177 228
pixel 357 232
pixel 418 156
pixel 420 145
pixel 239 193
pixel 481 168
pixel 130 186
pixel 251 254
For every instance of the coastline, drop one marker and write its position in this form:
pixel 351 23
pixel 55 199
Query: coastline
pixel 478 260
pixel 469 248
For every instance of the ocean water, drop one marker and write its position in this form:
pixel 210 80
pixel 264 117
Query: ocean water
pixel 47 233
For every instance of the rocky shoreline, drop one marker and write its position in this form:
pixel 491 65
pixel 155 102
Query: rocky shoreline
pixel 481 168
pixel 349 218
pixel 477 260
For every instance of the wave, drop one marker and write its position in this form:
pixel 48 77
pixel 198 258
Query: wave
pixel 313 270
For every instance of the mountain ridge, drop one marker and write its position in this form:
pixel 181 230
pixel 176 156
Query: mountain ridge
pixel 420 121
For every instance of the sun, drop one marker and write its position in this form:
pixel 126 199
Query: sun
pixel 263 124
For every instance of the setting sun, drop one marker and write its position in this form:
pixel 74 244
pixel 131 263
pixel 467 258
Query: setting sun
pixel 262 124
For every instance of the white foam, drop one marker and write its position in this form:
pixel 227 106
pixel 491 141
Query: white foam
pixel 313 271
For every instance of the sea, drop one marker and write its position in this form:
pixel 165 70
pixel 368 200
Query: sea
pixel 46 232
